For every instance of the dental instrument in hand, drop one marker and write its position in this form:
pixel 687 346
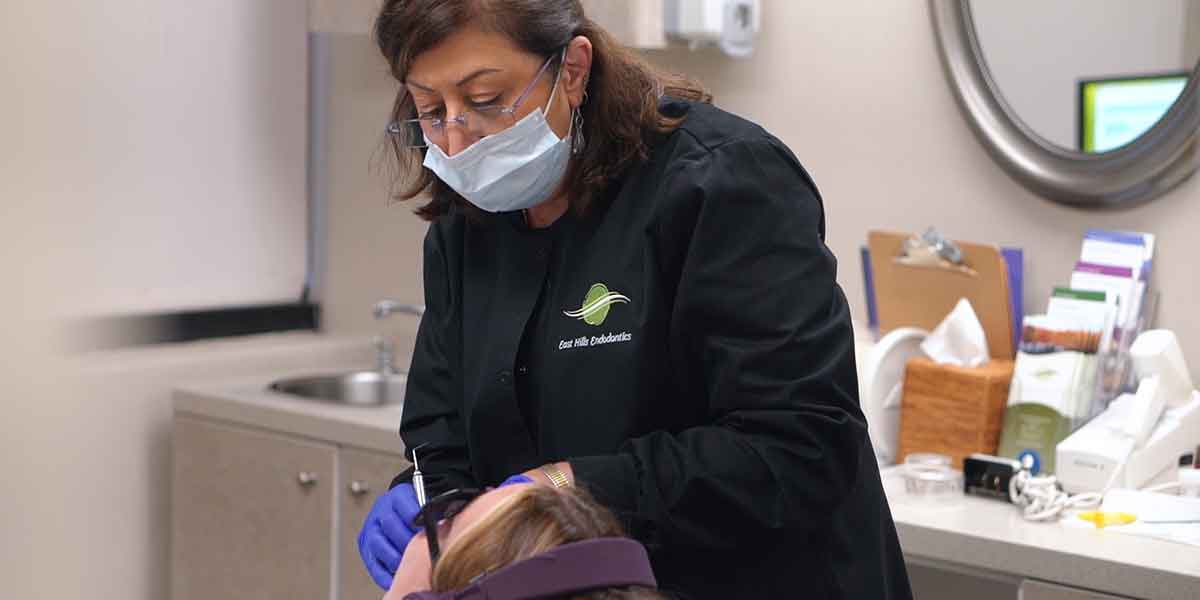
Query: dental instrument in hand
pixel 418 480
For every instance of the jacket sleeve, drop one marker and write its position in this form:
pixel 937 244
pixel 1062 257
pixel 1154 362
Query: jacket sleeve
pixel 763 330
pixel 432 416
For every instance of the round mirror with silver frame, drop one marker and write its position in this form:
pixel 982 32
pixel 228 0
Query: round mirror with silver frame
pixel 1156 161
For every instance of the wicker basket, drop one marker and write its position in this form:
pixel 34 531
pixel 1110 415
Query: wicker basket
pixel 951 410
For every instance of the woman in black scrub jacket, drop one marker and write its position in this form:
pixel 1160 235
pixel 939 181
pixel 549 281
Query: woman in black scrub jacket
pixel 628 290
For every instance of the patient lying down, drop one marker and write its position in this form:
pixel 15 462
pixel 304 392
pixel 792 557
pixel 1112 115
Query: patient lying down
pixel 522 541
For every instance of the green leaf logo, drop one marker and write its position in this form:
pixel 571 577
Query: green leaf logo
pixel 1045 373
pixel 596 304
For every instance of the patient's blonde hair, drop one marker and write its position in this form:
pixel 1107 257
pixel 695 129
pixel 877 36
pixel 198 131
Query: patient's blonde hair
pixel 530 522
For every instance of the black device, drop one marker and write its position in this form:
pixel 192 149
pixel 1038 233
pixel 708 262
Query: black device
pixel 989 476
pixel 1190 459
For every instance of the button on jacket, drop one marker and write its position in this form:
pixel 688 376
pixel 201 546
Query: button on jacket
pixel 685 346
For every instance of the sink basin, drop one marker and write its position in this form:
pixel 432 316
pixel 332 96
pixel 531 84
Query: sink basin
pixel 358 388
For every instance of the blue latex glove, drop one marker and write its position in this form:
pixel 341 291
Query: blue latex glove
pixel 518 478
pixel 386 533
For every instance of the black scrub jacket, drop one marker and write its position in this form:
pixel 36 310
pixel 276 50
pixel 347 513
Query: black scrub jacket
pixel 686 347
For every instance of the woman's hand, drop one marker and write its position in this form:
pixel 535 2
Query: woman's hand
pixel 388 529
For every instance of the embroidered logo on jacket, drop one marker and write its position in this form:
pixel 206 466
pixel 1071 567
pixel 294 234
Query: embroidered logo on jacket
pixel 596 304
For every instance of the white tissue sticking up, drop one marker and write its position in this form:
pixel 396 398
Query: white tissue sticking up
pixel 958 339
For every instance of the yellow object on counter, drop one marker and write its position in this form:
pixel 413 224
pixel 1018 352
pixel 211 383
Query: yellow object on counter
pixel 1103 519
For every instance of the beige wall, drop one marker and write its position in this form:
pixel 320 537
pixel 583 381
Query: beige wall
pixel 374 243
pixel 165 142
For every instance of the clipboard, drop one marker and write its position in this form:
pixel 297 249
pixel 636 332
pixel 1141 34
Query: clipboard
pixel 921 296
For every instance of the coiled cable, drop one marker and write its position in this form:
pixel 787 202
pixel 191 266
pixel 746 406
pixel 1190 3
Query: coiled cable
pixel 1041 499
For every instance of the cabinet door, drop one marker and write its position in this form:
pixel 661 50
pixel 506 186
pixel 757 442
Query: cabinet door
pixel 1040 590
pixel 252 514
pixel 364 475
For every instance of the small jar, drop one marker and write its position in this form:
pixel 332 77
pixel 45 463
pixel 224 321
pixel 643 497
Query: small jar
pixel 929 476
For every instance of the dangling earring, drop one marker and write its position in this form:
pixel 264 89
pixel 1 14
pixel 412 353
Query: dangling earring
pixel 577 140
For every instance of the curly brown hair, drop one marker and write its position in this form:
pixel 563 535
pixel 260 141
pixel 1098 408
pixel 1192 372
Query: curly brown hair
pixel 532 521
pixel 621 115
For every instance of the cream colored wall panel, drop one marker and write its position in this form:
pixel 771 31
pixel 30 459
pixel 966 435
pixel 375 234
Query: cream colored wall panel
pixel 635 23
pixel 374 242
pixel 343 16
pixel 166 142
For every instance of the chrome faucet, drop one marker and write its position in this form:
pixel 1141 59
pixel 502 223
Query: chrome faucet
pixel 385 349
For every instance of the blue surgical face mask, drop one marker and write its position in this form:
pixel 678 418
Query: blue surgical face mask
pixel 514 169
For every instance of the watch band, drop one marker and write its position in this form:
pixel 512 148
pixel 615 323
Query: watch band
pixel 556 476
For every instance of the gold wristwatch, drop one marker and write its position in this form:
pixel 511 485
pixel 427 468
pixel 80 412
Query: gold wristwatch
pixel 556 476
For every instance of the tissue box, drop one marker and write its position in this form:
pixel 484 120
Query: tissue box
pixel 951 410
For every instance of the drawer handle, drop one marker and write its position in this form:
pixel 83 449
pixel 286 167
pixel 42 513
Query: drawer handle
pixel 358 488
pixel 307 478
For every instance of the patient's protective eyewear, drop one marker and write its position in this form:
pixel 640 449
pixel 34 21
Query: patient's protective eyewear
pixel 440 510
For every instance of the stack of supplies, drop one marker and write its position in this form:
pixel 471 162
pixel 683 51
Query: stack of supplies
pixel 1052 387
pixel 1118 263
pixel 1072 360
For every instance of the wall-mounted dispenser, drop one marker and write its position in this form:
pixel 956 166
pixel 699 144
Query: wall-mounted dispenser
pixel 733 25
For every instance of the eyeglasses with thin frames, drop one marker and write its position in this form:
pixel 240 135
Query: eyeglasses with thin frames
pixel 480 121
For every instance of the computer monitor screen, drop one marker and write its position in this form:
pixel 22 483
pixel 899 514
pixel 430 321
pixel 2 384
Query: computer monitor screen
pixel 1115 111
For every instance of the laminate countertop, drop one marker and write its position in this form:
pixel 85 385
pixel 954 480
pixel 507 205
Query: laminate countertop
pixel 991 536
pixel 248 402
